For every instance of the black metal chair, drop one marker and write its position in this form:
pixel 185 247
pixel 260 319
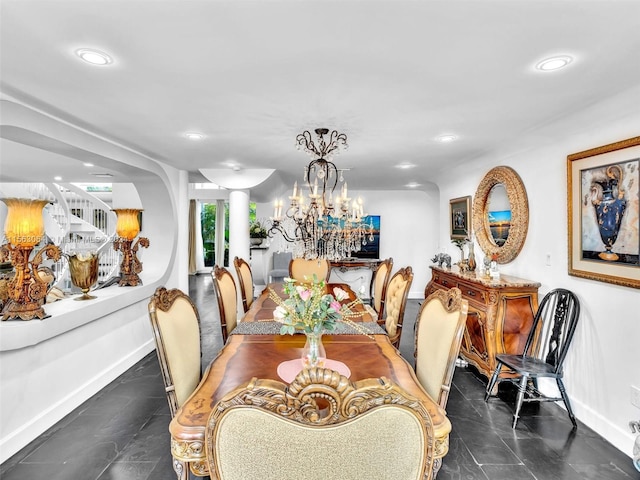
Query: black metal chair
pixel 544 352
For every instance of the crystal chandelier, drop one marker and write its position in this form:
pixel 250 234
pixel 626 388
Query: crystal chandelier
pixel 322 226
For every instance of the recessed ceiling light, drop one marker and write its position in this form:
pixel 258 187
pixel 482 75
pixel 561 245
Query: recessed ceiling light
pixel 405 166
pixel 94 57
pixel 412 185
pixel 194 136
pixel 102 175
pixel 554 63
pixel 87 164
pixel 57 178
pixel 446 138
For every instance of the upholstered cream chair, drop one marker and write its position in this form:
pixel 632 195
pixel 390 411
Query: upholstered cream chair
pixel 302 270
pixel 224 287
pixel 176 330
pixel 395 303
pixel 320 427
pixel 280 266
pixel 245 277
pixel 439 329
pixel 379 284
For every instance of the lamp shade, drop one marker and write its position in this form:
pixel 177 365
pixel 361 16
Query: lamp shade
pixel 127 226
pixel 24 225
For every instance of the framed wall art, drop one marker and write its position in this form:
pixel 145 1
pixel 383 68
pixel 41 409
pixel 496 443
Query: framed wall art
pixel 604 213
pixel 460 217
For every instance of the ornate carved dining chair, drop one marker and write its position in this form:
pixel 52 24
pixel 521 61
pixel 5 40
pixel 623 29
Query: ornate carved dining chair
pixel 544 352
pixel 321 426
pixel 395 303
pixel 378 288
pixel 176 330
pixel 245 277
pixel 439 329
pixel 224 287
pixel 303 270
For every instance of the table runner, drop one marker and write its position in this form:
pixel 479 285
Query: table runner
pixel 273 328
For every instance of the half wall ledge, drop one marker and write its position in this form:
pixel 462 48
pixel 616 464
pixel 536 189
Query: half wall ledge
pixel 67 314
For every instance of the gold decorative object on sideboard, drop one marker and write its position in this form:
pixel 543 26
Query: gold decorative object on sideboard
pixel 500 314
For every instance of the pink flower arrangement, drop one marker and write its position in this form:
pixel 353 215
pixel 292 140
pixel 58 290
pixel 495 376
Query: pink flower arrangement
pixel 310 308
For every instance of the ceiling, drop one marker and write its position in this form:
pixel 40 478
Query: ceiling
pixel 251 75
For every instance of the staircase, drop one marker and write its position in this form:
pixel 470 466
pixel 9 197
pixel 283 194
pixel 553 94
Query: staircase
pixel 76 221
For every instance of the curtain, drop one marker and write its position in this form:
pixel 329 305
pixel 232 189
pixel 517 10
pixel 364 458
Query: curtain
pixel 220 226
pixel 192 237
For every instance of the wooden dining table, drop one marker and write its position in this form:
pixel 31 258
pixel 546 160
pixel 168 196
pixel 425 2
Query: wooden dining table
pixel 245 356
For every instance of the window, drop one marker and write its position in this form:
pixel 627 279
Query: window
pixel 208 222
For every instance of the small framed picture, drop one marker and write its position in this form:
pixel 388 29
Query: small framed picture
pixel 603 209
pixel 460 217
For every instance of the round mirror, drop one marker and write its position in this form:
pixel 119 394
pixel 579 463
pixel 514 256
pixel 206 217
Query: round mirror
pixel 501 214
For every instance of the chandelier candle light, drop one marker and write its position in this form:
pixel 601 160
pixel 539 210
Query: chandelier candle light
pixel 24 229
pixel 321 226
pixel 127 228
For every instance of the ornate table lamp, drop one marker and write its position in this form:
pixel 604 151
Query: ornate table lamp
pixel 127 228
pixel 24 229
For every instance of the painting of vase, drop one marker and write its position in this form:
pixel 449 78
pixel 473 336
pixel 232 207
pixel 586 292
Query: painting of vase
pixel 610 205
pixel 604 213
pixel 610 213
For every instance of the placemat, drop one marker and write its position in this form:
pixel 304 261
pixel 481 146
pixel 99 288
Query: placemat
pixel 288 370
pixel 273 328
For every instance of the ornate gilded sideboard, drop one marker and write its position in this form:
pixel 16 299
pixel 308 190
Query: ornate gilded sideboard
pixel 355 272
pixel 500 314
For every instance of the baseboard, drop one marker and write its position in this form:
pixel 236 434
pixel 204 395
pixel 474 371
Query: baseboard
pixel 13 442
pixel 416 295
pixel 619 437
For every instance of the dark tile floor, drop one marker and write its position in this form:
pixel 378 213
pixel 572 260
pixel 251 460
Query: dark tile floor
pixel 121 433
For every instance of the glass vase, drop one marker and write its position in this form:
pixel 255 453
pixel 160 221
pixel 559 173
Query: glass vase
pixel 472 258
pixel 313 353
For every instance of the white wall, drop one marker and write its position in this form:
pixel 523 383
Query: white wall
pixel 603 362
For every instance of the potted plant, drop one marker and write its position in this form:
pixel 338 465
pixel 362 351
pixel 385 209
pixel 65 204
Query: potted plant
pixel 257 233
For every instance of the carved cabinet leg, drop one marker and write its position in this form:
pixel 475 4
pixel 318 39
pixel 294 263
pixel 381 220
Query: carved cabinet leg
pixel 181 469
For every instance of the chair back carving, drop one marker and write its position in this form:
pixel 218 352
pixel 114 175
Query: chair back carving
pixel 176 330
pixel 245 277
pixel 224 287
pixel 321 426
pixel 395 303
pixel 553 327
pixel 439 329
pixel 302 270
pixel 379 284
